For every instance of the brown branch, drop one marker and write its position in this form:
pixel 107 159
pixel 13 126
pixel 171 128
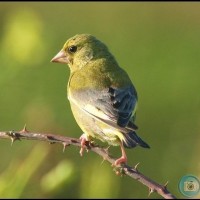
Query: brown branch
pixel 66 141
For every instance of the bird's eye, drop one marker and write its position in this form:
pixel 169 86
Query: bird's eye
pixel 72 49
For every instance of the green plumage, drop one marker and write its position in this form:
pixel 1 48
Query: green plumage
pixel 102 97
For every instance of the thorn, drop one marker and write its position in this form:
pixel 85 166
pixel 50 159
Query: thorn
pixel 24 130
pixel 106 149
pixel 64 146
pixel 165 185
pixel 13 136
pixel 103 161
pixel 136 166
pixel 13 139
pixel 150 191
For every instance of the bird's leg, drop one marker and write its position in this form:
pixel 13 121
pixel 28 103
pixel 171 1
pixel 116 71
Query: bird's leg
pixel 123 158
pixel 83 139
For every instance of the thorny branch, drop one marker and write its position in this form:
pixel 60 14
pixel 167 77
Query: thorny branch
pixel 66 141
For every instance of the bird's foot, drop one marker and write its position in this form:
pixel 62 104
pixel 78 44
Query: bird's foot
pixel 84 140
pixel 121 160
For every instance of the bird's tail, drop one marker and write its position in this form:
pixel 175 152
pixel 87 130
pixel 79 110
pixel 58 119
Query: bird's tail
pixel 131 140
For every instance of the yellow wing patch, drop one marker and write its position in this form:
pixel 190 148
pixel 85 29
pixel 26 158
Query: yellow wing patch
pixel 96 112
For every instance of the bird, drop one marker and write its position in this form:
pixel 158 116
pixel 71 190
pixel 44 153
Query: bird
pixel 102 96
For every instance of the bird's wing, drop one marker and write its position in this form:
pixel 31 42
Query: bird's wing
pixel 123 102
pixel 114 106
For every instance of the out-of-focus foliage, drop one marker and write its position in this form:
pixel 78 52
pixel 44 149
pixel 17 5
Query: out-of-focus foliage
pixel 158 45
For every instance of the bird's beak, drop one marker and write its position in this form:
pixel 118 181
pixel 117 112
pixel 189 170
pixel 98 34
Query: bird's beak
pixel 61 57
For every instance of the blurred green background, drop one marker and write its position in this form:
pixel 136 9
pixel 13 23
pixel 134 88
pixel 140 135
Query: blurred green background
pixel 158 44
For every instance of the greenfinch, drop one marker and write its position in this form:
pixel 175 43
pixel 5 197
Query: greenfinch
pixel 102 97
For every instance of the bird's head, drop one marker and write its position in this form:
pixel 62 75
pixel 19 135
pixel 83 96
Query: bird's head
pixel 79 50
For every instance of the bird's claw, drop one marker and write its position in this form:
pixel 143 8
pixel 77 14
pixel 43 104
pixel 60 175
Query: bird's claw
pixel 119 161
pixel 84 140
pixel 81 151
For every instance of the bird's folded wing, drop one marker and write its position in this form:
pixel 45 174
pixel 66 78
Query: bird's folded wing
pixel 114 106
